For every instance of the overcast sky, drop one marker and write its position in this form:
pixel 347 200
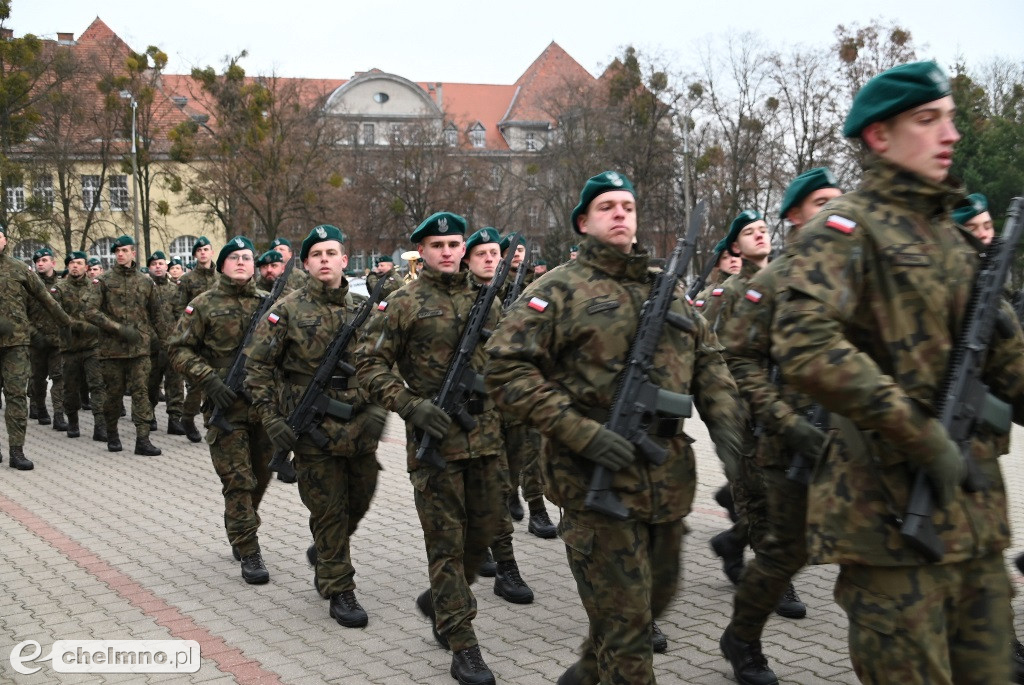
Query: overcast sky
pixel 476 42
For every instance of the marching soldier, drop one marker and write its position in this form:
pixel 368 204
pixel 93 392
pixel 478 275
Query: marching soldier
pixel 44 353
pixel 385 270
pixel 973 215
pixel 271 266
pixel 402 362
pixel 336 482
pixel 124 305
pixel 200 279
pixel 18 285
pixel 162 370
pixel 554 363
pixel 202 349
pixel 298 277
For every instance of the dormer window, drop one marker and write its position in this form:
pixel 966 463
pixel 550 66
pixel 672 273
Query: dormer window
pixel 380 98
pixel 477 135
pixel 451 135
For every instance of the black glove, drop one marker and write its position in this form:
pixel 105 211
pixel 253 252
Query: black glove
pixel 427 417
pixel 6 327
pixel 942 463
pixel 610 450
pixel 219 393
pixel 803 437
pixel 130 334
pixel 280 433
pixel 375 418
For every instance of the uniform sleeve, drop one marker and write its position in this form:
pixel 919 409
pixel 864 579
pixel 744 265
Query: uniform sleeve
pixel 37 290
pixel 263 357
pixel 714 390
pixel 93 308
pixel 378 352
pixel 160 319
pixel 1004 368
pixel 184 344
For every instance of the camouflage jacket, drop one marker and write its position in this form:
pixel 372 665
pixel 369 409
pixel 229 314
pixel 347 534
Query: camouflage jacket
pixel 701 299
pixel 720 300
pixel 19 285
pixel 167 295
pixel 45 326
pixel 197 281
pixel 555 362
pixel 284 354
pixel 208 334
pixel 70 293
pixel 296 280
pixel 416 331
pixel 878 285
pixel 122 296
pixel 393 283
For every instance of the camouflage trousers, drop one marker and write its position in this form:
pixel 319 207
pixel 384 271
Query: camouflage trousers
pixel 502 546
pixel 626 574
pixel 241 458
pixel 523 449
pixel 337 490
pixel 193 401
pixel 46 362
pixel 460 509
pixel 780 553
pixel 748 494
pixel 174 391
pixel 15 372
pixel 132 373
pixel 83 373
pixel 935 624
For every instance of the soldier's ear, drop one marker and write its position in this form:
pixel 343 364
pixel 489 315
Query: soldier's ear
pixel 876 136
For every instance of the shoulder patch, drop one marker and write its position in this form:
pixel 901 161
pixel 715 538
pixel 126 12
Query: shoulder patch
pixel 537 303
pixel 717 292
pixel 273 318
pixel 95 280
pixel 753 296
pixel 53 290
pixel 189 309
pixel 841 224
pixel 698 303
pixel 382 305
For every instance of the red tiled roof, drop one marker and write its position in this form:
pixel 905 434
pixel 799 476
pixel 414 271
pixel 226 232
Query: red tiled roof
pixel 552 72
pixel 467 103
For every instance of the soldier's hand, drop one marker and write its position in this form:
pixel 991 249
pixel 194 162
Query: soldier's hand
pixel 219 393
pixel 130 334
pixel 610 450
pixel 729 446
pixel 427 417
pixel 6 327
pixel 280 433
pixel 945 465
pixel 375 418
pixel 804 437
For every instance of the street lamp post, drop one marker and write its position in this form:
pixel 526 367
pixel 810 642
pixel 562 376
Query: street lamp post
pixel 135 171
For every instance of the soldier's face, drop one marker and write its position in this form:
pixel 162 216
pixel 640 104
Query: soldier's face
pixel 285 251
pixel 573 255
pixel 729 263
pixel 811 205
pixel 175 271
pixel 158 268
pixel 753 242
pixel 76 268
pixel 272 271
pixel 443 253
pixel 920 140
pixel 3 241
pixel 483 260
pixel 96 270
pixel 540 269
pixel 384 267
pixel 611 219
pixel 204 255
pixel 124 255
pixel 44 265
pixel 519 256
pixel 326 262
pixel 239 265
pixel 982 228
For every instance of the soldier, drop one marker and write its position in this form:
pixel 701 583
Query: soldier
pixel 125 306
pixel 973 215
pixel 44 353
pixel 554 362
pixel 200 279
pixel 460 506
pixel 95 267
pixel 574 252
pixel 18 285
pixel 876 293
pixel 82 373
pixel 540 267
pixel 783 432
pixel 726 265
pixel 175 270
pixel 385 270
pixel 162 370
pixel 336 482
pixel 202 349
pixel 298 277
pixel 413 258
pixel 271 266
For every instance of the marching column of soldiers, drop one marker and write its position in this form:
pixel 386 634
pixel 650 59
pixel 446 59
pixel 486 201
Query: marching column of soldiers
pixel 817 374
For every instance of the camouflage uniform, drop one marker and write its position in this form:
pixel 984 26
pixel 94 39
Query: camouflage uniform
pixel 204 343
pixel 393 283
pixel 125 298
pixel 19 285
pixel 44 353
pixel 461 506
pixel 336 483
pixel 877 288
pixel 296 280
pixel 192 284
pixel 555 361
pixel 167 294
pixel 81 363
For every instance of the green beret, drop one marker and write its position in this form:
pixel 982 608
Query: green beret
pixel 270 257
pixel 123 241
pixel 970 207
pixel 278 242
pixel 94 261
pixel 42 252
pixel 76 255
pixel 604 182
pixel 574 248
pixel 156 255
pixel 439 223
pixel 507 240
pixel 805 184
pixel 894 91
pixel 320 234
pixel 176 260
pixel 747 216
pixel 239 242
pixel 385 258
pixel 202 242
pixel 540 262
pixel 483 236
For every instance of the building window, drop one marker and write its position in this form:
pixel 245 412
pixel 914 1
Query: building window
pixel 119 198
pixel 43 190
pixel 91 192
pixel 531 144
pixel 15 198
pixel 181 247
pixel 26 248
pixel 396 134
pixel 532 215
pixel 104 249
pixel 477 135
pixel 368 137
pixel 451 136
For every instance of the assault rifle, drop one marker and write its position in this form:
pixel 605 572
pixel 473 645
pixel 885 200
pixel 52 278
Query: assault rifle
pixel 801 468
pixel 314 405
pixel 460 380
pixel 964 402
pixel 517 285
pixel 638 401
pixel 698 285
pixel 236 372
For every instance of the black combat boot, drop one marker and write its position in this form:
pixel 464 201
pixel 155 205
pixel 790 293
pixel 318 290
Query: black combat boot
pixel 731 553
pixel 487 567
pixel 345 609
pixel 286 473
pixel 311 555
pixel 748 663
pixel 43 416
pixel 191 432
pixel 113 441
pixel 59 424
pixel 509 585
pixel 33 411
pixel 789 605
pixel 99 432
pixel 254 571
pixel 724 498
pixel 19 460
pixel 147 449
pixel 426 607
pixel 659 643
pixel 468 667
pixel 174 426
pixel 152 424
pixel 515 507
pixel 72 427
pixel 540 524
pixel 572 676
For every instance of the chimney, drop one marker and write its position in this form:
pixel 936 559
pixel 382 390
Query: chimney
pixel 6 34
pixel 440 97
pixel 66 38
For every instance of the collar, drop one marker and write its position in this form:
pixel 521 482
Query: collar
pixel 225 284
pixel 450 282
pixel 322 293
pixel 895 184
pixel 612 261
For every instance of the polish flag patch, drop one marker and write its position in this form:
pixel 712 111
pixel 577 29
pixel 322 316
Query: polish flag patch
pixel 273 318
pixel 537 303
pixel 53 290
pixel 841 224
pixel 189 309
pixel 698 304
pixel 753 296
pixel 717 292
pixel 95 280
pixel 382 306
